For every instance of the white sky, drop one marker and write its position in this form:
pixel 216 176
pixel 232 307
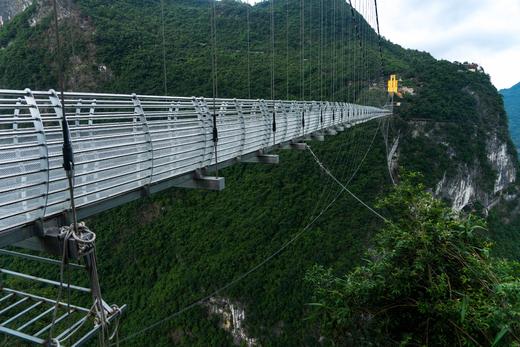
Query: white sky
pixel 486 32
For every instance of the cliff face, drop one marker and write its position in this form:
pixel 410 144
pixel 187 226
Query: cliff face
pixel 455 131
pixel 10 8
pixel 464 189
pixel 232 317
pixel 465 184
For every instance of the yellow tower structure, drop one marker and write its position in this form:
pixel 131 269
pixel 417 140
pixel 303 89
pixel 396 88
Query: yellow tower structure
pixel 393 84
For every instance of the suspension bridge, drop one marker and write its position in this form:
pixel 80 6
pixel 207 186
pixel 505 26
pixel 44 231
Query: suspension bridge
pixel 65 156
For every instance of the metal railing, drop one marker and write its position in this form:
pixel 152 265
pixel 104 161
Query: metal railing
pixel 125 142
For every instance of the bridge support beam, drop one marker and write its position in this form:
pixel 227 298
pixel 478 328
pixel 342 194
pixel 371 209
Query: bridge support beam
pixel 318 137
pixel 262 158
pixel 331 131
pixel 199 181
pixel 300 146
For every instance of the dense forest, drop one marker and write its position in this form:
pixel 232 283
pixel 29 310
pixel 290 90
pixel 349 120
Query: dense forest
pixel 512 104
pixel 161 253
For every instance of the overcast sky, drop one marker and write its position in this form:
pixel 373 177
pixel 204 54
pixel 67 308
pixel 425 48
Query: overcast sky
pixel 486 32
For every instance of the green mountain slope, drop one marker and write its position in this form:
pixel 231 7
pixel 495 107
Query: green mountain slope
pixel 160 254
pixel 512 104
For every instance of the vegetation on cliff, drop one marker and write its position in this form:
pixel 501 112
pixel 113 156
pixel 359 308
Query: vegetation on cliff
pixel 428 280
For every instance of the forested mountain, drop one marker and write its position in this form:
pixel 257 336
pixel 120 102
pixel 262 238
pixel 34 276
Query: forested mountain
pixel 162 253
pixel 512 104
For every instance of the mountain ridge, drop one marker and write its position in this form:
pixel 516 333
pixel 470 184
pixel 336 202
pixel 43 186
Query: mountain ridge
pixel 512 105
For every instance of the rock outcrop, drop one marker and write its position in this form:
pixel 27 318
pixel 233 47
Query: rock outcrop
pixel 10 8
pixel 233 316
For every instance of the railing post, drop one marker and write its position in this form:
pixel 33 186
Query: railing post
pixel 240 111
pixel 303 118
pixel 139 111
pixel 42 142
pixel 274 123
pixel 264 108
pixel 203 116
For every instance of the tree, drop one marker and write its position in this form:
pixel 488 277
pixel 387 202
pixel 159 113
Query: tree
pixel 429 280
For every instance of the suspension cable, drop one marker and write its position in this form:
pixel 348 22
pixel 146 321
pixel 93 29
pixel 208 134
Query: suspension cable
pixel 272 52
pixel 366 27
pixel 321 50
pixel 68 159
pixel 248 50
pixel 380 41
pixel 349 49
pixel 335 58
pixel 302 50
pixel 358 54
pixel 273 123
pixel 310 51
pixel 164 49
pixel 214 67
pixel 287 48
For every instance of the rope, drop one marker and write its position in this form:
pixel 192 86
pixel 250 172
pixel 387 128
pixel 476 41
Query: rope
pixel 66 337
pixel 344 187
pixel 67 234
pixel 349 161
